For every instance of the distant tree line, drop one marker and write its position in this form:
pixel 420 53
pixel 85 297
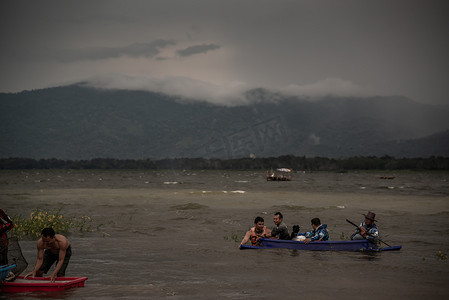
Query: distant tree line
pixel 288 161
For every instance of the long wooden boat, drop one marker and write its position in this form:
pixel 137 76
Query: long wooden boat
pixel 356 245
pixel 32 284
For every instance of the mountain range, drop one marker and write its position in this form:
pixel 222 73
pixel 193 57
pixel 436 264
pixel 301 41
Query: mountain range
pixel 81 122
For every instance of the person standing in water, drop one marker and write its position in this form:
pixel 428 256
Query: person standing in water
pixel 51 248
pixel 255 233
pixel 6 225
pixel 280 231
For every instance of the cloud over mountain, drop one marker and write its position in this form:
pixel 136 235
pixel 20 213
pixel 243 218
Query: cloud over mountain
pixel 195 90
pixel 229 94
pixel 326 87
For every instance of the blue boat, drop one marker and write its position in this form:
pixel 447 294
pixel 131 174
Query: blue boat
pixel 4 271
pixel 356 245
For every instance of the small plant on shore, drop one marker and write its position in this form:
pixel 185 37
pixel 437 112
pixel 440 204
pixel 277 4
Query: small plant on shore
pixel 39 219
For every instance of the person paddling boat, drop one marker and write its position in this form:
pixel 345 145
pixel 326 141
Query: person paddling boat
pixel 367 230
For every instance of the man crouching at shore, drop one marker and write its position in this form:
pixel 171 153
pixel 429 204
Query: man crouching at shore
pixel 51 247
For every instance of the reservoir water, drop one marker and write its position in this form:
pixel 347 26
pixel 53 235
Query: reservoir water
pixel 174 234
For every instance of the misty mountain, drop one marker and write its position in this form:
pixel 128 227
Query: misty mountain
pixel 76 122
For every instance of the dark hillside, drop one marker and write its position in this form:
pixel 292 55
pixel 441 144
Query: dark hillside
pixel 75 122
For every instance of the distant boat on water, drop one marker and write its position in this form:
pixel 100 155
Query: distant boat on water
pixel 280 174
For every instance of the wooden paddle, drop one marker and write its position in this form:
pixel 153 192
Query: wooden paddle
pixel 367 232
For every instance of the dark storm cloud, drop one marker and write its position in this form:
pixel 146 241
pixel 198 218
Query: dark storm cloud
pixel 303 47
pixel 197 49
pixel 135 50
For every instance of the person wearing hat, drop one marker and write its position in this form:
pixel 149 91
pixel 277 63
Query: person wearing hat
pixel 367 229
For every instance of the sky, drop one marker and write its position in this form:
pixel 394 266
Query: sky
pixel 215 50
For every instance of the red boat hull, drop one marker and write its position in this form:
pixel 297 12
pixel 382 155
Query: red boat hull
pixel 32 284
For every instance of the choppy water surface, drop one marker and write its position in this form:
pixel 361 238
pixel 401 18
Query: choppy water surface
pixel 170 234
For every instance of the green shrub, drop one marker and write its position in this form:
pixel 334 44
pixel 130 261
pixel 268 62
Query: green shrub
pixel 40 219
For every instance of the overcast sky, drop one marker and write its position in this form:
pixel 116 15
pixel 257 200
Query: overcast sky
pixel 216 49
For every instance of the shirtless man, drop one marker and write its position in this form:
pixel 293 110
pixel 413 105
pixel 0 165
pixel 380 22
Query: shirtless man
pixel 51 247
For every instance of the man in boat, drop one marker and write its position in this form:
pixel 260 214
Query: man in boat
pixel 51 248
pixel 280 230
pixel 258 231
pixel 367 229
pixel 319 232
